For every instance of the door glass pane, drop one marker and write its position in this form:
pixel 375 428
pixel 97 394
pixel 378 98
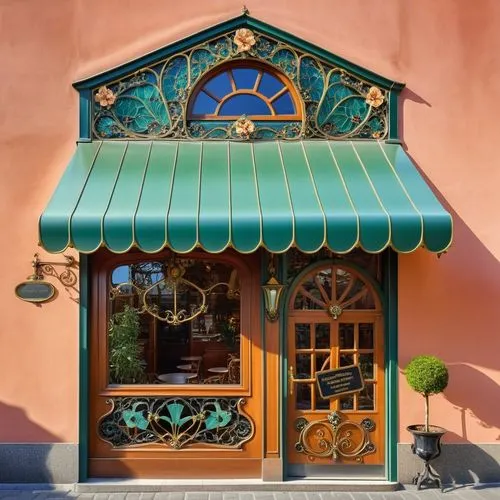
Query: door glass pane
pixel 321 359
pixel 346 359
pixel 322 336
pixel 346 402
pixel 310 296
pixel 302 336
pixel 366 365
pixel 357 295
pixel 303 396
pixel 365 400
pixel 366 336
pixel 346 335
pixel 321 404
pixel 303 369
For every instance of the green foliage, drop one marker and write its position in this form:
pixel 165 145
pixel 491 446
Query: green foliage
pixel 228 332
pixel 427 375
pixel 126 364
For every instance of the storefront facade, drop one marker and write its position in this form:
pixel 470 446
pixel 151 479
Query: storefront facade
pixel 246 224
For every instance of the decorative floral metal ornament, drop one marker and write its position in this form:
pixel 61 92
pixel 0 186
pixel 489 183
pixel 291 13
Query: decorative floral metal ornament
pixel 244 40
pixel 335 310
pixel 173 284
pixel 105 97
pixel 177 423
pixel 335 438
pixel 244 127
pixel 374 97
pixel 152 103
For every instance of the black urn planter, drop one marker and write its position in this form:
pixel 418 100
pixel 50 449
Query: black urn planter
pixel 427 446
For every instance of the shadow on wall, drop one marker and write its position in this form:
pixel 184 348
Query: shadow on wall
pixel 474 394
pixel 25 462
pixel 465 463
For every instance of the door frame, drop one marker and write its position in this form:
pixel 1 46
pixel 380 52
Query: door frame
pixel 388 294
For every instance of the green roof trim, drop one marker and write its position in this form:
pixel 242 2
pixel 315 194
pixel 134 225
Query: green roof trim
pixel 242 21
pixel 243 195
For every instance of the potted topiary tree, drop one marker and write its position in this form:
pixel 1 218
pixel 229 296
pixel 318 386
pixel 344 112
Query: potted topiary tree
pixel 427 375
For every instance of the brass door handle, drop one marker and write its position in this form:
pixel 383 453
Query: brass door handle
pixel 291 380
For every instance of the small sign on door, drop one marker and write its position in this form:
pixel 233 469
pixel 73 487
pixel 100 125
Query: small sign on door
pixel 340 381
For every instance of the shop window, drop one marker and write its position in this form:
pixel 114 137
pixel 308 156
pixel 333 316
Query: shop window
pixel 174 323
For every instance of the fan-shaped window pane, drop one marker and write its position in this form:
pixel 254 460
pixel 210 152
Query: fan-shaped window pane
pixel 204 105
pixel 245 77
pixel 219 85
pixel 244 104
pixel 284 105
pixel 269 85
pixel 238 90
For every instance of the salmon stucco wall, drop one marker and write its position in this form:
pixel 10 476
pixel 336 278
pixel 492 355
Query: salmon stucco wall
pixel 446 54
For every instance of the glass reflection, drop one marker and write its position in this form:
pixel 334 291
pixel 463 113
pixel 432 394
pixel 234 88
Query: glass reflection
pixel 366 336
pixel 146 349
pixel 366 365
pixel 303 396
pixel 322 336
pixel 346 359
pixel 365 399
pixel 303 366
pixel 321 404
pixel 322 361
pixel 346 402
pixel 302 336
pixel 346 333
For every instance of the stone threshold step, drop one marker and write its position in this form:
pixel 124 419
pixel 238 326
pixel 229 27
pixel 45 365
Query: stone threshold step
pixel 233 485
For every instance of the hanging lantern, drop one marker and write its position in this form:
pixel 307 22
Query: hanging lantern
pixel 272 293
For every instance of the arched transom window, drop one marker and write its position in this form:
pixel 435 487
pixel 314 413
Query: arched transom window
pixel 255 91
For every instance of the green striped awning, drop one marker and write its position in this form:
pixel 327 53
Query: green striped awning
pixel 243 195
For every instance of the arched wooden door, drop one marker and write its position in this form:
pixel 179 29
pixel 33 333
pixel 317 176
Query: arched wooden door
pixel 335 321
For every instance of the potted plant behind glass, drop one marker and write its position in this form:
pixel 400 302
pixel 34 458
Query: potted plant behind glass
pixel 427 375
pixel 126 356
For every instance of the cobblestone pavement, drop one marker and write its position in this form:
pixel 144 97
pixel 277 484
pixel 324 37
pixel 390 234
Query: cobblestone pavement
pixel 478 492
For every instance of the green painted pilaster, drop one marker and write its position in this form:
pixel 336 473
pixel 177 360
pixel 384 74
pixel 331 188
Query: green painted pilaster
pixel 390 266
pixel 85 114
pixel 83 432
pixel 283 277
pixel 393 117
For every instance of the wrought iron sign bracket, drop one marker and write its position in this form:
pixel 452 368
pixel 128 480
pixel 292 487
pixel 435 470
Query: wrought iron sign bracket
pixel 67 277
pixel 36 290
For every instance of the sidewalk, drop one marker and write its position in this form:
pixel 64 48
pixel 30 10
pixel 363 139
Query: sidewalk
pixel 470 492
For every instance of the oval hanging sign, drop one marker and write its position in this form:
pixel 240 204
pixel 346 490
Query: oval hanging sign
pixel 35 291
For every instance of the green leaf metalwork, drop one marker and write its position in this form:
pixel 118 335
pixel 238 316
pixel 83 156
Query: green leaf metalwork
pixel 135 419
pixel 175 410
pixel 217 418
pixel 175 78
pixel 177 422
pixel 286 60
pixel 311 79
pixel 153 103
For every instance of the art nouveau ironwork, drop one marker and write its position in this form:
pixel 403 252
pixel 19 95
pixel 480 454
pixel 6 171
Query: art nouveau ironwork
pixel 153 102
pixel 172 283
pixel 335 437
pixel 177 422
pixel 36 289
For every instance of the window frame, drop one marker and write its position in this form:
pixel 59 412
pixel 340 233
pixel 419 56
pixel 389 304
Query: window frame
pixel 261 68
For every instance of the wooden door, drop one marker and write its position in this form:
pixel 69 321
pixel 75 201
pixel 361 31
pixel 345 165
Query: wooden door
pixel 335 320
